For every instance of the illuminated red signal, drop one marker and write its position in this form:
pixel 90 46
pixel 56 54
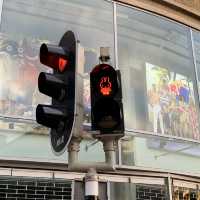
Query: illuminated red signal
pixel 62 63
pixel 106 99
pixel 105 86
pixel 54 57
pixel 104 80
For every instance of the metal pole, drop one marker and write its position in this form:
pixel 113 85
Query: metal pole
pixel 168 183
pixel 109 146
pixel 91 185
pixel 73 149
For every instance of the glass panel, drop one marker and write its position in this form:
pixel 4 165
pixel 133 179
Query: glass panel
pixel 127 191
pixel 185 190
pixel 185 193
pixel 160 91
pixel 127 151
pixel 25 25
pixel 196 40
pixel 124 191
pixel 91 150
pixel 160 153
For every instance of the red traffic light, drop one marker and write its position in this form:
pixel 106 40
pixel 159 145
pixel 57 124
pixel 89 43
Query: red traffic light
pixel 104 80
pixel 106 100
pixel 62 63
pixel 54 57
pixel 60 86
pixel 105 85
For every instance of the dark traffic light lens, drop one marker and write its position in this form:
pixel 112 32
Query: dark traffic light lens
pixel 50 116
pixel 52 86
pixel 107 115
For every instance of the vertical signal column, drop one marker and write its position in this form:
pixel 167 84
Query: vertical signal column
pixel 60 86
pixel 106 100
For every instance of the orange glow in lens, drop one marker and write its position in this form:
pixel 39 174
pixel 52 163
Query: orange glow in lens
pixel 105 86
pixel 62 64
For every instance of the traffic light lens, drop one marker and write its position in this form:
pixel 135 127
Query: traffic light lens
pixel 54 57
pixel 50 116
pixel 62 64
pixel 107 114
pixel 105 86
pixel 52 86
pixel 104 81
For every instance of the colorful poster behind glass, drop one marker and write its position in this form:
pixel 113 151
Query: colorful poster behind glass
pixel 19 70
pixel 171 103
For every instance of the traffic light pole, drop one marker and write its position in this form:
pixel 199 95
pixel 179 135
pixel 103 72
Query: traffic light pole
pixel 109 145
pixel 107 117
pixel 64 116
pixel 91 177
pixel 91 185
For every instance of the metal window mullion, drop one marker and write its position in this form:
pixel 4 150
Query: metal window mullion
pixel 108 190
pixel 73 190
pixel 115 34
pixel 195 64
pixel 1 8
pixel 168 183
pixel 119 153
pixel 116 67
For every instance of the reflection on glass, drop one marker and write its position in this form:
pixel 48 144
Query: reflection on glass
pixel 196 41
pixel 127 151
pixel 183 148
pixel 171 103
pixel 19 71
pixel 24 27
pixel 190 192
pixel 158 75
pixel 125 191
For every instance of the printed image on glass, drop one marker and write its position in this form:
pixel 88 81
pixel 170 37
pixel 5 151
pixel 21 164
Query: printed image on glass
pixel 171 103
pixel 19 70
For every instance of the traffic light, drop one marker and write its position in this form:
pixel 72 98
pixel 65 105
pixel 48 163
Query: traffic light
pixel 106 100
pixel 60 86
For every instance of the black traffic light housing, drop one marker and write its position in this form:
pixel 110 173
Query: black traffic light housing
pixel 60 86
pixel 106 100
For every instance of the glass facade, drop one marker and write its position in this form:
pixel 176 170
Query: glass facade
pixel 122 191
pixel 25 25
pixel 126 191
pixel 160 67
pixel 157 60
pixel 196 44
pixel 160 91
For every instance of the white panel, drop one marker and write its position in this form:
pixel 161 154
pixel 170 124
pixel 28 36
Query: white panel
pixel 32 173
pixel 5 172
pixel 147 180
pixel 68 175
